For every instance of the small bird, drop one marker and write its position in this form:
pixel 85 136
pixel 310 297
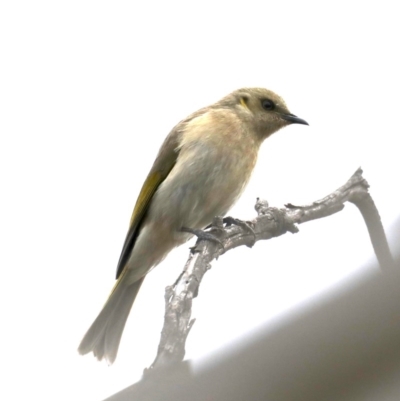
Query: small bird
pixel 200 171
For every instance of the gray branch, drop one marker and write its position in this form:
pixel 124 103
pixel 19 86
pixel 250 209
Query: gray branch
pixel 270 222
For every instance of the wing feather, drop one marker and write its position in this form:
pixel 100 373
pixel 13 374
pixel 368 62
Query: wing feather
pixel 163 164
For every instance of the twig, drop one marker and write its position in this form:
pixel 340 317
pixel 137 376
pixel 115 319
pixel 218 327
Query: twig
pixel 270 222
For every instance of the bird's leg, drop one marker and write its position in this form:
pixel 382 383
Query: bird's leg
pixel 244 224
pixel 203 235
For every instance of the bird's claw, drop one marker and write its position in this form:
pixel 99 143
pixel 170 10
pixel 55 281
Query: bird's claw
pixel 203 235
pixel 245 225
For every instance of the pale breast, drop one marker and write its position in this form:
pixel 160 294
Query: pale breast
pixel 217 156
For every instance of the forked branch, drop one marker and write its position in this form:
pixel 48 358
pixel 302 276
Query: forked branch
pixel 270 222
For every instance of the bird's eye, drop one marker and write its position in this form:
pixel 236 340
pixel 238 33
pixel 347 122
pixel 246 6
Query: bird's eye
pixel 267 104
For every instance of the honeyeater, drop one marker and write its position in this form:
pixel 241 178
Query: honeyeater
pixel 200 171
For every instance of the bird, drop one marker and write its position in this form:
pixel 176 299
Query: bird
pixel 200 171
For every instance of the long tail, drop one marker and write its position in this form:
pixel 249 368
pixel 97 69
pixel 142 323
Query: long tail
pixel 104 335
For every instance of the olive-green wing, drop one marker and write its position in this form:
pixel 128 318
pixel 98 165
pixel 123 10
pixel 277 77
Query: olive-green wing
pixel 163 164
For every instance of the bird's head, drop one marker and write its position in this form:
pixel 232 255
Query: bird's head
pixel 265 111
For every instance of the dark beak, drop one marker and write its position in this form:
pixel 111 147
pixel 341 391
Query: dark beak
pixel 294 119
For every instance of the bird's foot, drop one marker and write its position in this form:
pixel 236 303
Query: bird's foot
pixel 243 224
pixel 203 235
pixel 291 206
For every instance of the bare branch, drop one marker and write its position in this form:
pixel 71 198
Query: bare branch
pixel 270 222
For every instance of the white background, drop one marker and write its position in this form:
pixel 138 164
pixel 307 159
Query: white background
pixel 88 92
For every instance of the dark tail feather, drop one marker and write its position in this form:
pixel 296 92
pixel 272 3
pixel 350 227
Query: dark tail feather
pixel 104 335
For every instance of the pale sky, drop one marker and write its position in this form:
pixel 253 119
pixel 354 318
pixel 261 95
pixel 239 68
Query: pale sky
pixel 88 92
